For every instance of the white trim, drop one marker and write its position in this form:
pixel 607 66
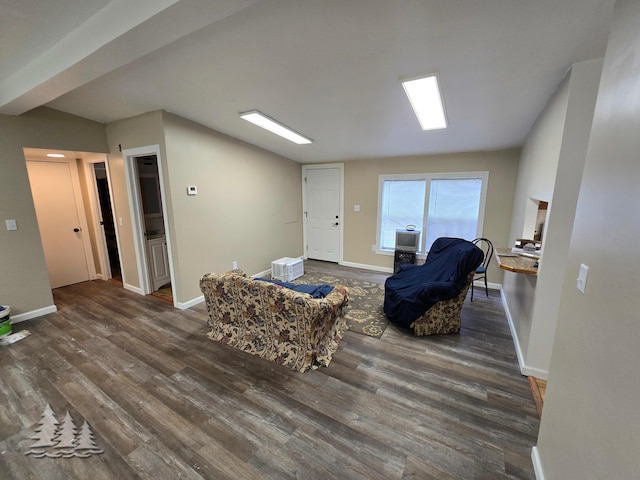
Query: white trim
pixel 94 203
pixel 537 463
pixel 263 273
pixel 305 168
pixel 490 285
pixel 133 288
pixel 190 303
pixel 133 193
pixel 524 368
pixel 364 266
pixel 21 317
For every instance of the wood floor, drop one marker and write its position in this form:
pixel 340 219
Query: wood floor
pixel 165 403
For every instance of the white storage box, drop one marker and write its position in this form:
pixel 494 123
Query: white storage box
pixel 287 269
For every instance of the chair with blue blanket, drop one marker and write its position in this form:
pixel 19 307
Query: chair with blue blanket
pixel 428 298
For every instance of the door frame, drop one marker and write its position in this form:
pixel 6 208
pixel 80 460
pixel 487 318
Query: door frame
pixel 80 210
pixel 94 202
pixel 137 221
pixel 305 169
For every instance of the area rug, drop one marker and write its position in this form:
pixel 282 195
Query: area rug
pixel 364 313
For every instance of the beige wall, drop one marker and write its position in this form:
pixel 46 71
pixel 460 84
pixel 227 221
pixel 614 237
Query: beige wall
pixel 24 283
pixel 140 131
pixel 361 188
pixel 248 207
pixel 550 170
pixel 590 423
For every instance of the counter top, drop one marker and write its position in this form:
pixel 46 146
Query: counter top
pixel 512 262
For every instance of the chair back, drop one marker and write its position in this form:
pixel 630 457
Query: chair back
pixel 486 246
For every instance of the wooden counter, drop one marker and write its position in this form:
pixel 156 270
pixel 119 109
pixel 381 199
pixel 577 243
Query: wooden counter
pixel 512 262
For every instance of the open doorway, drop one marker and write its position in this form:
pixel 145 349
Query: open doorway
pixel 152 238
pixel 153 226
pixel 106 221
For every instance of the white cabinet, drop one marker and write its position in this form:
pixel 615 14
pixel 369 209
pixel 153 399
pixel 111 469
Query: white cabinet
pixel 158 262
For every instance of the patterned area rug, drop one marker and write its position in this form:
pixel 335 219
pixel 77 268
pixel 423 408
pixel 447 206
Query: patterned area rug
pixel 364 313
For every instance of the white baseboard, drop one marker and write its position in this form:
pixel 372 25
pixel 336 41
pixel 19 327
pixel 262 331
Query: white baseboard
pixel 21 317
pixel 524 368
pixel 133 289
pixel 190 303
pixel 537 464
pixel 262 274
pixel 364 266
pixel 490 285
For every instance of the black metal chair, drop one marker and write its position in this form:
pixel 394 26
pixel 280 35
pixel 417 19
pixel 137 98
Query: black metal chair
pixel 481 272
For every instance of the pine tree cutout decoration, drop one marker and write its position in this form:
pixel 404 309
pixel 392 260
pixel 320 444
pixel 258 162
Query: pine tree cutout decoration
pixel 86 446
pixel 45 433
pixel 66 437
pixel 55 440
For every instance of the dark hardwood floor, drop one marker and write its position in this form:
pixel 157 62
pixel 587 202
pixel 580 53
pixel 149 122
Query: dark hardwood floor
pixel 164 402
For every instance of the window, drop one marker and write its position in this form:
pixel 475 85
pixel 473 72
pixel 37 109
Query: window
pixel 439 205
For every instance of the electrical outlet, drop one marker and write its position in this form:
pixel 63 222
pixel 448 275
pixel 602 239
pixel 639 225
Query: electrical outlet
pixel 373 248
pixel 235 264
pixel 11 224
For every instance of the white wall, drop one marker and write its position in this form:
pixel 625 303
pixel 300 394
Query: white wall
pixel 550 170
pixel 590 425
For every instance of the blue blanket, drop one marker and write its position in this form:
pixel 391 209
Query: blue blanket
pixel 316 291
pixel 416 288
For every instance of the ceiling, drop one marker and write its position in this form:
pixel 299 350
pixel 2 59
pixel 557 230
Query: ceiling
pixel 328 69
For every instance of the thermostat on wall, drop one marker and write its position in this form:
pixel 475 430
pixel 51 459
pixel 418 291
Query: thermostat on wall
pixel 192 190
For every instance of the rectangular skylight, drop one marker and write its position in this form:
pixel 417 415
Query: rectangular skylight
pixel 261 120
pixel 426 101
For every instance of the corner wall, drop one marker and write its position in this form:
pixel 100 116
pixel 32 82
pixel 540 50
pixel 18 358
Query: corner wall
pixel 550 170
pixel 24 282
pixel 590 422
pixel 248 207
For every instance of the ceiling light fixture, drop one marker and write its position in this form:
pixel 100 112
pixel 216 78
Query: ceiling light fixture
pixel 426 101
pixel 55 155
pixel 261 120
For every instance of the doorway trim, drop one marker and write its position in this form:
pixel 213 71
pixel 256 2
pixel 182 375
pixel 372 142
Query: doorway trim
pixel 94 202
pixel 137 223
pixel 305 169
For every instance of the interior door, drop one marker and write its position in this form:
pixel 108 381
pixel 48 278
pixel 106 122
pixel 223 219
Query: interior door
pixel 323 214
pixel 58 220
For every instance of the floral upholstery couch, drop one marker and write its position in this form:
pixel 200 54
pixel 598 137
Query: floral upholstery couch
pixel 444 316
pixel 273 322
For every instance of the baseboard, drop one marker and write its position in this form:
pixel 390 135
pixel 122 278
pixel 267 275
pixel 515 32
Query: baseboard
pixel 21 317
pixel 190 303
pixel 490 285
pixel 364 266
pixel 537 464
pixel 133 289
pixel 262 274
pixel 524 368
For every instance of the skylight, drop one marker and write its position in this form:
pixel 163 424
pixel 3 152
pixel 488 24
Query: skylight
pixel 426 101
pixel 261 120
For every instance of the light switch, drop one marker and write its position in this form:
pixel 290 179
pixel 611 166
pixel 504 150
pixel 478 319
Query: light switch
pixel 356 208
pixel 582 278
pixel 11 224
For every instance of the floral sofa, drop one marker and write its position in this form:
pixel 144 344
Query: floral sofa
pixel 273 322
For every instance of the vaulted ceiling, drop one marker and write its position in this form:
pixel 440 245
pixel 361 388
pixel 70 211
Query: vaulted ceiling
pixel 329 69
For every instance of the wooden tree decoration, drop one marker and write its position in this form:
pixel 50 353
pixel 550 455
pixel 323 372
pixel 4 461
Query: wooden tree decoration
pixel 45 433
pixel 86 446
pixel 66 436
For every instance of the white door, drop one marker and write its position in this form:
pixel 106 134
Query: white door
pixel 59 223
pixel 323 214
pixel 158 262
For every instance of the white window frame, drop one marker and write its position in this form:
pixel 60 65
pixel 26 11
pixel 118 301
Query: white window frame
pixel 428 177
